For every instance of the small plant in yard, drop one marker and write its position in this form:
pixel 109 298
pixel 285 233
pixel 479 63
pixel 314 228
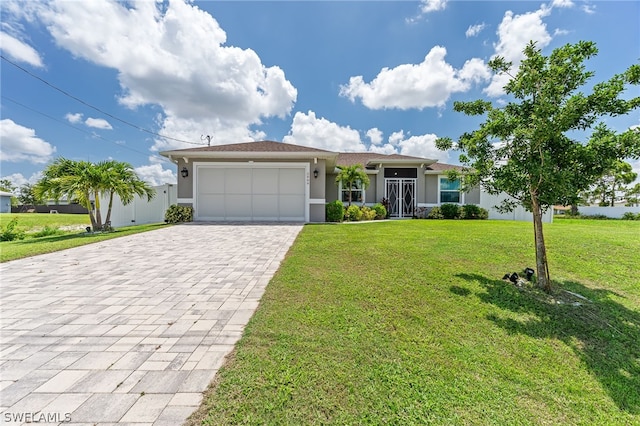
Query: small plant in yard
pixel 47 231
pixel 435 213
pixel 353 213
pixel 630 216
pixel 10 232
pixel 450 211
pixel 368 213
pixel 471 211
pixel 178 214
pixel 335 211
pixel 381 211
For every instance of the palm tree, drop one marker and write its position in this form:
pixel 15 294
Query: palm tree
pixel 75 180
pixel 350 176
pixel 120 178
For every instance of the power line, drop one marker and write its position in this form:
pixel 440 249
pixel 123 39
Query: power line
pixel 94 107
pixel 81 130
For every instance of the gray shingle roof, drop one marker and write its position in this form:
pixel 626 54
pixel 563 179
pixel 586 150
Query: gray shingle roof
pixel 260 146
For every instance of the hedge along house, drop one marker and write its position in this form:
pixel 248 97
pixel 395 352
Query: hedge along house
pixel 275 181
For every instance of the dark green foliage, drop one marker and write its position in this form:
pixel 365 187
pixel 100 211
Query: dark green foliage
pixel 335 211
pixel 381 211
pixel 450 211
pixel 353 213
pixel 472 211
pixel 631 216
pixel 177 214
pixel 10 232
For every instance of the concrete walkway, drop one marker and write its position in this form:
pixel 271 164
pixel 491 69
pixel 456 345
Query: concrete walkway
pixel 130 330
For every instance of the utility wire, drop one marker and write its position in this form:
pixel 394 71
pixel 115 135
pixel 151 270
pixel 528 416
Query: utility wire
pixel 81 130
pixel 94 107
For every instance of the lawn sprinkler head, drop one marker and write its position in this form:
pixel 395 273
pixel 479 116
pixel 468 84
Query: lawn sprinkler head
pixel 529 273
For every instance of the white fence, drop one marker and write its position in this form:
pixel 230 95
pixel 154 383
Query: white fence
pixel 140 211
pixel 488 201
pixel 612 212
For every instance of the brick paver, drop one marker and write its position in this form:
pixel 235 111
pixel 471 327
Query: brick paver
pixel 133 329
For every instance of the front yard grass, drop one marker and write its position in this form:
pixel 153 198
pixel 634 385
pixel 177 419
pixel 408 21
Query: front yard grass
pixel 409 322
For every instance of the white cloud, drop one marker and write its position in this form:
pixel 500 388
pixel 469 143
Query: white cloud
pixel 416 146
pixel 20 143
pixel 562 3
pixel 155 174
pixel 98 123
pixel 514 33
pixel 174 55
pixel 19 50
pixel 375 136
pixel 73 118
pixel 428 6
pixel 308 130
pixel 474 30
pixel 427 84
pixel 589 9
pixel 18 179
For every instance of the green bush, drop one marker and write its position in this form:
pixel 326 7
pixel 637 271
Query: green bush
pixel 47 231
pixel 335 211
pixel 177 214
pixel 435 213
pixel 353 213
pixel 631 216
pixel 368 213
pixel 381 211
pixel 472 211
pixel 10 232
pixel 450 211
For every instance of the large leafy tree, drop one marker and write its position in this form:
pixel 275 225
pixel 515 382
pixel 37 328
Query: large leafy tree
pixel 349 176
pixel 530 147
pixel 86 182
pixel 613 184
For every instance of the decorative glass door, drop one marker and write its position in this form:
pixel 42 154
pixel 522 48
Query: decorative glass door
pixel 401 194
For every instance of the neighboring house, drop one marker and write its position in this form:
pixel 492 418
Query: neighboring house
pixel 274 181
pixel 5 202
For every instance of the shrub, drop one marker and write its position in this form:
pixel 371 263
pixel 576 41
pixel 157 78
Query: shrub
pixel 335 211
pixel 421 213
pixel 471 211
pixel 435 213
pixel 353 213
pixel 381 211
pixel 630 216
pixel 10 232
pixel 368 213
pixel 177 214
pixel 450 211
pixel 47 231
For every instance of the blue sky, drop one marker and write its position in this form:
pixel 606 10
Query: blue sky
pixel 343 76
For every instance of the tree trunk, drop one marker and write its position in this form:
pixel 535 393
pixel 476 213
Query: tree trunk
pixel 98 213
pixel 107 221
pixel 350 185
pixel 542 266
pixel 92 218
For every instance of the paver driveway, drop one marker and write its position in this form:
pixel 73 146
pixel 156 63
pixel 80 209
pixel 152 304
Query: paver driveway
pixel 133 329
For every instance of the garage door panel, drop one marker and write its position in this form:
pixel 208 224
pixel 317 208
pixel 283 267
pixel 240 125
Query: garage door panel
pixel 214 179
pixel 211 206
pixel 238 181
pixel 265 181
pixel 292 181
pixel 261 193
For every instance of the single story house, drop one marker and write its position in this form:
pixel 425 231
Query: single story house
pixel 5 202
pixel 275 181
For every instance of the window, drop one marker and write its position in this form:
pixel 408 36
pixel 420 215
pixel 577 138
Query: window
pixel 449 190
pixel 357 193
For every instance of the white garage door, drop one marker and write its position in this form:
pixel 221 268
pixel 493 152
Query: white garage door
pixel 257 193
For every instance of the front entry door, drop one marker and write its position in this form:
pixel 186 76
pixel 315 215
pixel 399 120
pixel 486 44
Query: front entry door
pixel 401 194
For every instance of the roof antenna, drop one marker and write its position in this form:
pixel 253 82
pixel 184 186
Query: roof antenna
pixel 208 138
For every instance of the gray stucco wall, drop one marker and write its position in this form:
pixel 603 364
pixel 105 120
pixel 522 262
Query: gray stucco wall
pixel 431 189
pixel 473 196
pixel 331 188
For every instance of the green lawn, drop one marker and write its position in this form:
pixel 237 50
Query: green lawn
pixel 409 322
pixel 31 222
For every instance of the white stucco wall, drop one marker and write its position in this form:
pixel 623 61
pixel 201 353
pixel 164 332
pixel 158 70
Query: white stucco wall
pixel 141 211
pixel 488 201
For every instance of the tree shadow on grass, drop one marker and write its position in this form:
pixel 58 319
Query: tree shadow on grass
pixel 603 333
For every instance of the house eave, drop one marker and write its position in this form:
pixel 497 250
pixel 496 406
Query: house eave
pixel 249 155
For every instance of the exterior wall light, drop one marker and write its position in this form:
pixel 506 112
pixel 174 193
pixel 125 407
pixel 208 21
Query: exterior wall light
pixel 315 173
pixel 184 172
